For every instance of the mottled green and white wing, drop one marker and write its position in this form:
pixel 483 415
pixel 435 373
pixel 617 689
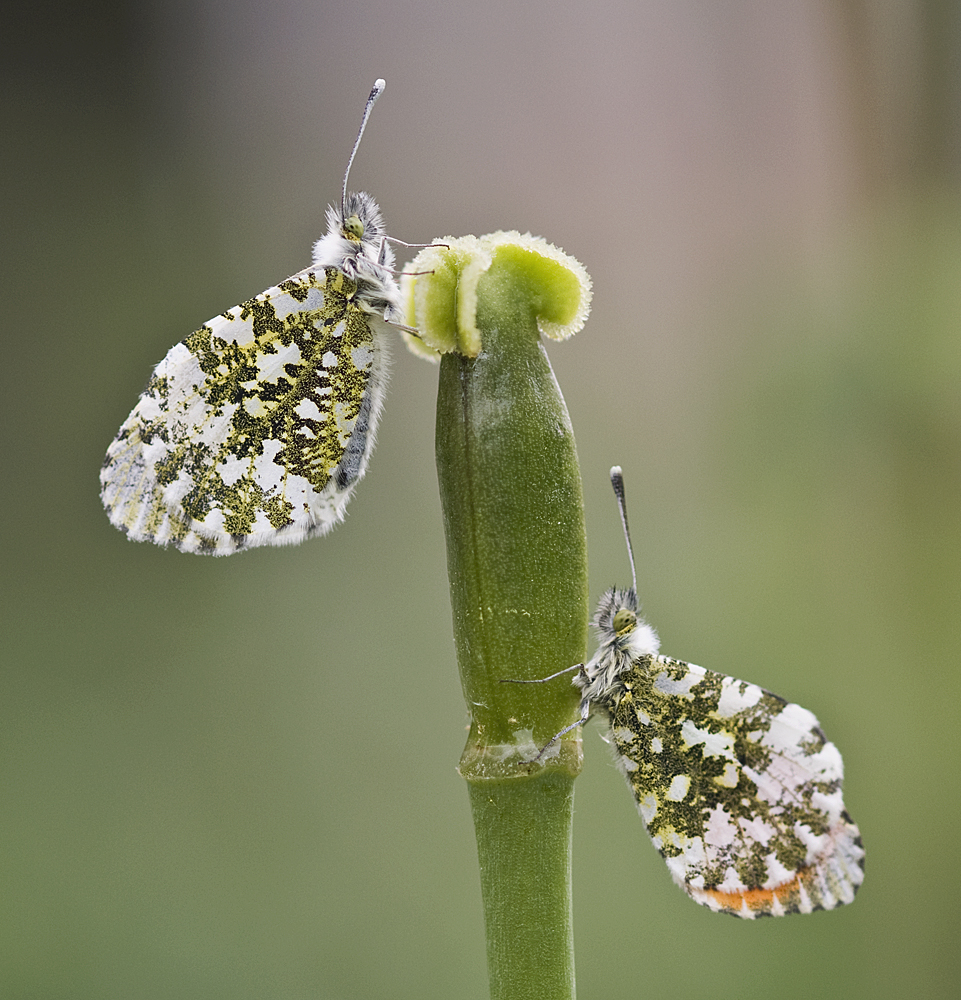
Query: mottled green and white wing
pixel 739 790
pixel 255 429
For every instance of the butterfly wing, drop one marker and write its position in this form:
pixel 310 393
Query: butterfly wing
pixel 255 429
pixel 739 790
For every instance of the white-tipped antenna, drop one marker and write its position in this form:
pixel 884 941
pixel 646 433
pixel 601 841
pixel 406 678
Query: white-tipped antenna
pixel 376 91
pixel 617 481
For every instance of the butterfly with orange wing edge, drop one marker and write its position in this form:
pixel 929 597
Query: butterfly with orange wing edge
pixel 739 789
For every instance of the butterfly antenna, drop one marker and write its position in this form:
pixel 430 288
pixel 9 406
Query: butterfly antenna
pixel 377 90
pixel 617 481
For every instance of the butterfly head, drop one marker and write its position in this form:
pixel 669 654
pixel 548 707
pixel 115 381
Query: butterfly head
pixel 359 222
pixel 623 637
pixel 355 241
pixel 621 631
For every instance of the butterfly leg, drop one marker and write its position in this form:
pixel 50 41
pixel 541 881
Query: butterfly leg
pixel 585 715
pixel 541 680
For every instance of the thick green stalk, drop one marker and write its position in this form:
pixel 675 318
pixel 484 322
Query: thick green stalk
pixel 513 516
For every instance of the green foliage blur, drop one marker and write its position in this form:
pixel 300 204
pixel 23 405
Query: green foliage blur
pixel 235 778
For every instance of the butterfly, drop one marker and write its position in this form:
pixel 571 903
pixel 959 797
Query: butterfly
pixel 256 428
pixel 739 789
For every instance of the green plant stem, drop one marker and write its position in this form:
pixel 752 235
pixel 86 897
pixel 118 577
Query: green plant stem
pixel 513 516
pixel 524 845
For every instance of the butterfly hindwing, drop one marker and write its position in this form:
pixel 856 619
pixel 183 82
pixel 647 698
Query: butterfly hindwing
pixel 739 790
pixel 255 428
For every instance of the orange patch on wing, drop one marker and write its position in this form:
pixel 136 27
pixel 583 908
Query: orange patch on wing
pixel 756 899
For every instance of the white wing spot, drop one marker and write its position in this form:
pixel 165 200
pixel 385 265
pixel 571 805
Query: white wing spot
pixel 680 784
pixel 271 366
pixel 720 830
pixel 361 357
pixel 736 696
pixel 681 688
pixel 730 776
pixel 715 744
pixel 308 409
pixel 232 469
pixel 647 808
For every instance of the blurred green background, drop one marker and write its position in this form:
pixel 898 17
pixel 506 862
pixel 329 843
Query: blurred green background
pixel 235 778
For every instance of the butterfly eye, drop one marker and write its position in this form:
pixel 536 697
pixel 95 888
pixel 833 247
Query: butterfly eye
pixel 353 227
pixel 624 621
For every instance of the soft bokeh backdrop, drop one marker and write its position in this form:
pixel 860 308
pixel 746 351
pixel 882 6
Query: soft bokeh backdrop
pixel 235 778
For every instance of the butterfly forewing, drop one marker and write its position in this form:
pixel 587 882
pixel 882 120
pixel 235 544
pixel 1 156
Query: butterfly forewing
pixel 255 428
pixel 739 790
